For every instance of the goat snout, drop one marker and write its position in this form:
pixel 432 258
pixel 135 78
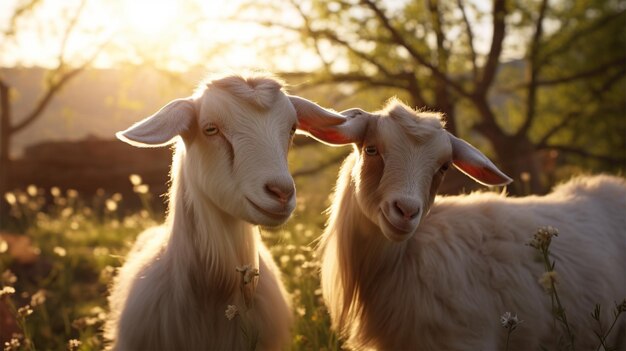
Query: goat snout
pixel 402 215
pixel 280 191
pixel 407 210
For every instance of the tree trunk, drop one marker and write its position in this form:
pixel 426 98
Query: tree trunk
pixel 5 142
pixel 516 154
pixel 520 160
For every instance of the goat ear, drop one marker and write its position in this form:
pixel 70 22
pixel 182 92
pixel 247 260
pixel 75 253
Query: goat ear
pixel 475 164
pixel 325 125
pixel 160 129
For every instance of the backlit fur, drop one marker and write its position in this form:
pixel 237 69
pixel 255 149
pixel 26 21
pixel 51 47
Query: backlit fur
pixel 446 286
pixel 179 278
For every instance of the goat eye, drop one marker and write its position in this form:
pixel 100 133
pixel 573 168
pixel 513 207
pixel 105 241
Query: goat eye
pixel 444 167
pixel 211 130
pixel 371 150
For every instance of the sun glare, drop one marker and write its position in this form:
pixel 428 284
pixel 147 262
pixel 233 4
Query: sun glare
pixel 150 18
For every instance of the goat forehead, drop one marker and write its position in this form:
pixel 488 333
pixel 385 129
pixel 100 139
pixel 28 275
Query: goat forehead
pixel 223 108
pixel 410 151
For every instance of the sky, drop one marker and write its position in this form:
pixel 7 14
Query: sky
pixel 173 34
pixel 182 33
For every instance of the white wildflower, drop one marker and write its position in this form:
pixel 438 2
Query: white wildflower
pixel 231 312
pixel 247 272
pixel 509 320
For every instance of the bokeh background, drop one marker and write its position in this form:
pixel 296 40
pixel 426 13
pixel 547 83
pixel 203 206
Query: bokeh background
pixel 538 85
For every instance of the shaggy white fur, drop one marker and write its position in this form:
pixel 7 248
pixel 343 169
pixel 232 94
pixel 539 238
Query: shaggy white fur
pixel 229 172
pixel 399 273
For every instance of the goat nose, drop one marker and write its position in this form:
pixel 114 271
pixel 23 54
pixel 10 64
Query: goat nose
pixel 407 210
pixel 281 192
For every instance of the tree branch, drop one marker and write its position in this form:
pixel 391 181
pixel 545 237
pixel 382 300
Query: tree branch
pixel 68 31
pixel 620 61
pixel 579 33
pixel 399 39
pixel 53 89
pixel 19 12
pixel 572 150
pixel 532 70
pixel 489 70
pixel 353 77
pixel 470 39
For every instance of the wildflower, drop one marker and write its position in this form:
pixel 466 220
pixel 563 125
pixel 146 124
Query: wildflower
pixel 510 321
pixel 301 311
pixel 31 190
pixel 117 197
pixel 83 322
pixel 59 251
pixel 73 344
pixel 72 193
pixel 299 257
pixel 55 191
pixel 8 278
pixel 135 179
pixel 38 298
pixel 542 238
pixel 284 259
pixel 24 311
pixel 12 345
pixel 7 290
pixel 141 189
pixel 22 198
pixel 10 198
pixel 231 312
pixel 247 272
pixel 67 212
pixel 4 246
pixel 111 205
pixel 548 279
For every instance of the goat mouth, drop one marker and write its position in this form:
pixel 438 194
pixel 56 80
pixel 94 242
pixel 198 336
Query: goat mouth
pixel 270 214
pixel 399 231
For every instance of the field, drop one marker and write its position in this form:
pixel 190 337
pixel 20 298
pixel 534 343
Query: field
pixel 55 272
pixel 62 264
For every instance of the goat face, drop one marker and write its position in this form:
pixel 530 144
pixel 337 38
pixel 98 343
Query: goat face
pixel 401 158
pixel 239 155
pixel 236 133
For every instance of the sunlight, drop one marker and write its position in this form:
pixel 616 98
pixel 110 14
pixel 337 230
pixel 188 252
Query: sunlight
pixel 150 17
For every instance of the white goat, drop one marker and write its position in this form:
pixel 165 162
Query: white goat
pixel 401 270
pixel 229 170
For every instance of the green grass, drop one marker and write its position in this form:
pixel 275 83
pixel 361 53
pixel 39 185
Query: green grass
pixel 79 245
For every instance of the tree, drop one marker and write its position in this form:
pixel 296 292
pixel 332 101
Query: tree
pixel 430 52
pixel 57 77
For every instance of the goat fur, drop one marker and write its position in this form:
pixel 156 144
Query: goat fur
pixel 179 278
pixel 447 284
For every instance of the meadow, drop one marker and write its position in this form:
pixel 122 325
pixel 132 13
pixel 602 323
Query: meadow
pixel 55 288
pixel 55 273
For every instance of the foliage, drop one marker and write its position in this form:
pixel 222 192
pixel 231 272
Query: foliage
pixel 540 81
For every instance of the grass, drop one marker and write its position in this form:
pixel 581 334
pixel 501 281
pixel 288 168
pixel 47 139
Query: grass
pixel 59 301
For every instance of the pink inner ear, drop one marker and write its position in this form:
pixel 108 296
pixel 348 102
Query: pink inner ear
pixel 483 175
pixel 328 134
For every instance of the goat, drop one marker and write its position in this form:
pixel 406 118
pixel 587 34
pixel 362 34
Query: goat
pixel 229 172
pixel 403 270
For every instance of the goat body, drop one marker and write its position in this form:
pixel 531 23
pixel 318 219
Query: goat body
pixel 402 269
pixel 469 262
pixel 229 173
